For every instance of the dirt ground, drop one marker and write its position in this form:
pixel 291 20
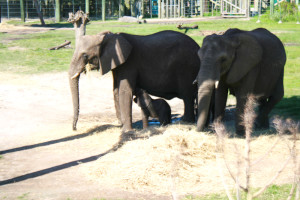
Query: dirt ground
pixel 42 158
pixel 36 115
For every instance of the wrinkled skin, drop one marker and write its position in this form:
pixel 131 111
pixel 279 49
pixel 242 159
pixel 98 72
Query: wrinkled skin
pixel 164 64
pixel 155 108
pixel 242 62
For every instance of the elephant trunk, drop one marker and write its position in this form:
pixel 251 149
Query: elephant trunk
pixel 206 80
pixel 74 86
pixel 205 90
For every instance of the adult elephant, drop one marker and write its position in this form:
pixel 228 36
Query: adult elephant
pixel 164 64
pixel 243 62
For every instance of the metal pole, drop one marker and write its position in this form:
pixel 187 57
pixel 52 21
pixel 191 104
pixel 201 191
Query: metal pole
pixel 57 10
pixel 279 13
pixel 259 11
pixel 159 8
pixel 150 8
pixel 87 6
pixel 22 10
pixel 202 8
pixel 103 10
pixel 7 9
pixel 96 9
pixel 272 7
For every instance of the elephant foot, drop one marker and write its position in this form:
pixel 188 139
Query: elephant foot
pixel 262 123
pixel 240 132
pixel 188 119
pixel 127 130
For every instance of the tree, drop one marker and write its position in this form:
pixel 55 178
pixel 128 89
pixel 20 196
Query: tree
pixel 40 14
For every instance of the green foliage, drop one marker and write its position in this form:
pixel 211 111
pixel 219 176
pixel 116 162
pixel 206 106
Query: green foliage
pixel 285 11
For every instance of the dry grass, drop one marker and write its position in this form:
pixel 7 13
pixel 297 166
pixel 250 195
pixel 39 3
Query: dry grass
pixel 177 158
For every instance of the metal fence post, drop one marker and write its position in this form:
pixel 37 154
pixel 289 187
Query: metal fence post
pixel 22 10
pixel 103 10
pixel 57 10
pixel 7 9
pixel 87 6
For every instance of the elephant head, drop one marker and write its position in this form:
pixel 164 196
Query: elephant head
pixel 226 59
pixel 103 52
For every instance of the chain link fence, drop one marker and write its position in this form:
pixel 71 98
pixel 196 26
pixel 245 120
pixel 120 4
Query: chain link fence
pixel 10 9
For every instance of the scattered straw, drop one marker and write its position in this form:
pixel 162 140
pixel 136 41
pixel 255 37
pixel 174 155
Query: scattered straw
pixel 179 159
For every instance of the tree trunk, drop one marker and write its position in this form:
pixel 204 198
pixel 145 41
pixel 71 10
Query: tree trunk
pixel 79 20
pixel 40 14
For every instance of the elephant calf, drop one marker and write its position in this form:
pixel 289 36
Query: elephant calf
pixel 156 108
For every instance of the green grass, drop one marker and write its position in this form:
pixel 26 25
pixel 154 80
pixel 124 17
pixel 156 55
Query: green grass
pixel 274 192
pixel 33 56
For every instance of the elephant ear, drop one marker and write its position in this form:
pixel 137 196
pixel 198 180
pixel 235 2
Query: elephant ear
pixel 248 54
pixel 115 50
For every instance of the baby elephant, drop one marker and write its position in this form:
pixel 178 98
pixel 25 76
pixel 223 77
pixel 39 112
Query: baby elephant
pixel 155 108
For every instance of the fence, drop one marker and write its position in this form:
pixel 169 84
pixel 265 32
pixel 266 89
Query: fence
pixel 147 8
pixel 11 8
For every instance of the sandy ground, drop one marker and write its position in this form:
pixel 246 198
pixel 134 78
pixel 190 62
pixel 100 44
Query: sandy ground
pixel 36 114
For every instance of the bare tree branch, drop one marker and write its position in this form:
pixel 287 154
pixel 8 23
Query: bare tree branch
pixel 60 46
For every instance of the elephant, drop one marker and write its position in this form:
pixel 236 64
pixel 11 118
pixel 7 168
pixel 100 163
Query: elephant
pixel 244 63
pixel 155 108
pixel 165 64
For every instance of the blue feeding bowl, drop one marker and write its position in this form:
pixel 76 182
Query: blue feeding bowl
pixel 155 122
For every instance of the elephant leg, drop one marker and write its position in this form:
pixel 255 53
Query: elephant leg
pixel 144 119
pixel 266 105
pixel 164 116
pixel 239 113
pixel 262 121
pixel 125 102
pixel 189 115
pixel 116 98
pixel 221 94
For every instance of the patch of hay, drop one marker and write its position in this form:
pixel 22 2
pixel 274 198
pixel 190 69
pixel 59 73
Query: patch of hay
pixel 178 159
pixel 158 163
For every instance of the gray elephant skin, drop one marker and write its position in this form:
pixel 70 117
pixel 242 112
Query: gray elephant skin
pixel 155 108
pixel 164 64
pixel 242 62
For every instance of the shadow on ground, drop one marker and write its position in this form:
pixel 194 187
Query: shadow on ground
pixel 122 140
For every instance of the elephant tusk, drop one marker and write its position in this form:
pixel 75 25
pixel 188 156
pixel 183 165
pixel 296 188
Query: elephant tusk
pixel 75 76
pixel 216 84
